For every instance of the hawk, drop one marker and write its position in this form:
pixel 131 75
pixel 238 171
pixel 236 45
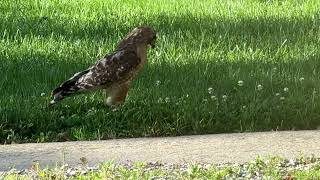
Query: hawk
pixel 114 72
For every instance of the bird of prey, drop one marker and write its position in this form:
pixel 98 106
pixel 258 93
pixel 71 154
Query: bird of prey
pixel 114 72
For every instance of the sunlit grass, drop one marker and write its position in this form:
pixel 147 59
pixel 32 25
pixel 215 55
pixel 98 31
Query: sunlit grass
pixel 259 168
pixel 267 46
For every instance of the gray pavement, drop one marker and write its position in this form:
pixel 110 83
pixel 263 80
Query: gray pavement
pixel 216 148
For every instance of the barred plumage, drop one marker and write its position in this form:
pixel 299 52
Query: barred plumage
pixel 114 72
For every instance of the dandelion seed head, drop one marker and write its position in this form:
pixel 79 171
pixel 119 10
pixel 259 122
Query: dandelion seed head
pixel 210 90
pixel 240 83
pixel 158 83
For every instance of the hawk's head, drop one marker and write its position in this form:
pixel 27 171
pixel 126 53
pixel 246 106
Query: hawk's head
pixel 143 35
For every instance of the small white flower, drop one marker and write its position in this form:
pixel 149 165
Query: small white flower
pixel 167 99
pixel 158 83
pixel 277 94
pixel 224 97
pixel 42 94
pixel 274 68
pixel 244 107
pixel 205 100
pixel 187 95
pixel 301 79
pixel 285 89
pixel 213 97
pixel 282 98
pixel 210 90
pixel 240 83
pixel 62 117
pixel 160 100
pixel 259 87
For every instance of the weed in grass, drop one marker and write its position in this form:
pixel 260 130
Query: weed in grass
pixel 260 168
pixel 213 58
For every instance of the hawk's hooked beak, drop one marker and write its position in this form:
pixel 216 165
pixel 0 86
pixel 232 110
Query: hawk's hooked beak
pixel 153 44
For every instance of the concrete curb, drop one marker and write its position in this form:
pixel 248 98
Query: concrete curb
pixel 216 148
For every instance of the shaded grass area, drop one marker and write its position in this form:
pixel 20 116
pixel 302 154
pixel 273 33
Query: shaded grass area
pixel 190 85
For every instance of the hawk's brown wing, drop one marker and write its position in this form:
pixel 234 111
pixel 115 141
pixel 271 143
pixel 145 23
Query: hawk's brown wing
pixel 114 68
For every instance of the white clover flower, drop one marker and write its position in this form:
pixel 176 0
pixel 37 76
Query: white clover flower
pixel 160 100
pixel 42 94
pixel 282 98
pixel 158 83
pixel 259 87
pixel 301 79
pixel 285 89
pixel 167 99
pixel 210 90
pixel 240 83
pixel 244 107
pixel 224 97
pixel 277 94
pixel 205 100
pixel 213 97
pixel 62 117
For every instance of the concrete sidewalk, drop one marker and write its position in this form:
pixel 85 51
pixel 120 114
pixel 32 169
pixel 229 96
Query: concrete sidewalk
pixel 218 148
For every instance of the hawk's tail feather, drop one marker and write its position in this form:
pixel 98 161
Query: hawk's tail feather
pixel 67 88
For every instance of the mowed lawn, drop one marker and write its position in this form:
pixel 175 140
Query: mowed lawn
pixel 219 67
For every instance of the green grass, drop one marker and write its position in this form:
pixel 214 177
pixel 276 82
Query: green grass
pixel 275 168
pixel 201 45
